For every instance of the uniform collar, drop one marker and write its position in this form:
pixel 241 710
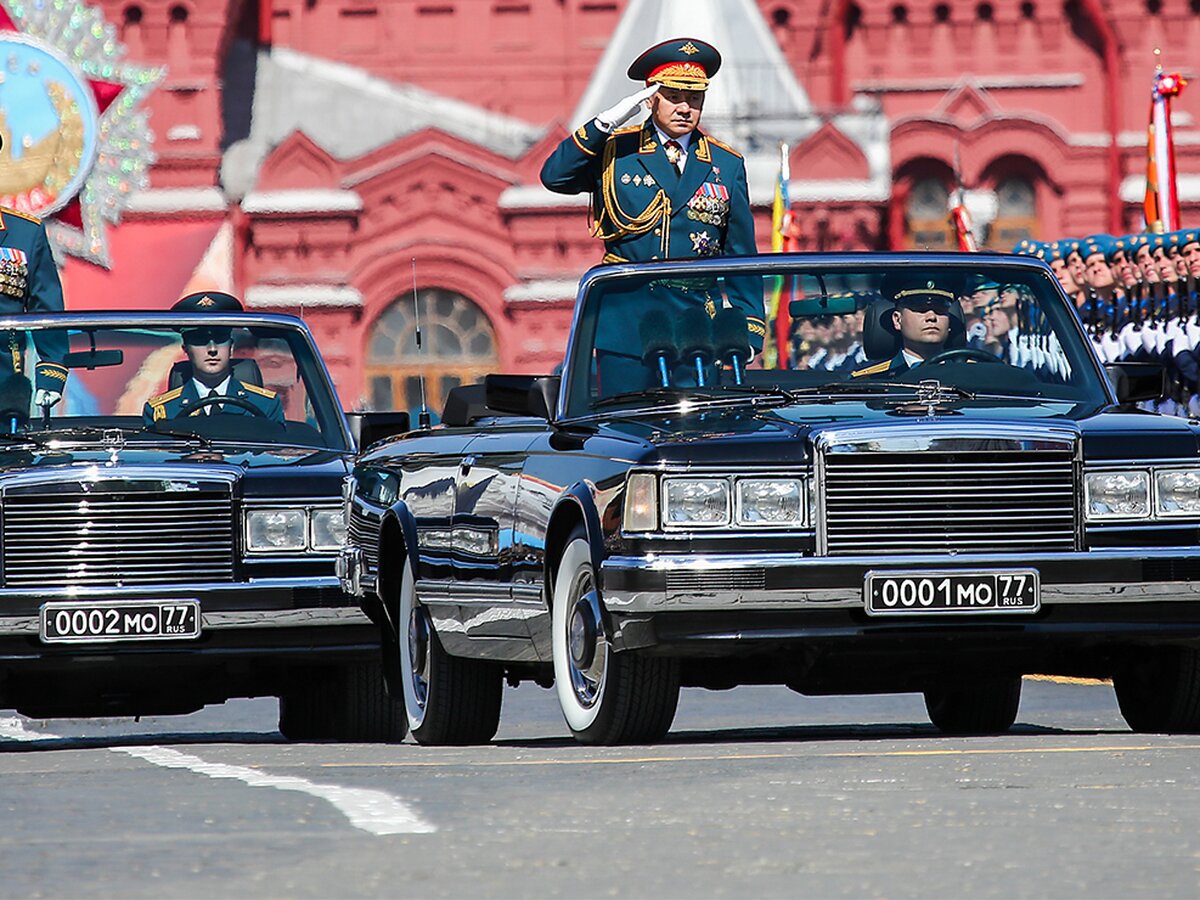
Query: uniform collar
pixel 684 141
pixel 203 390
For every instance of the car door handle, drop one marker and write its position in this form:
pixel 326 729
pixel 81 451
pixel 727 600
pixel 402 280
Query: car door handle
pixel 467 462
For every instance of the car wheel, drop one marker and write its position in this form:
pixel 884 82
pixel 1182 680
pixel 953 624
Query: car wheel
pixel 448 699
pixel 1161 692
pixel 988 707
pixel 350 704
pixel 606 697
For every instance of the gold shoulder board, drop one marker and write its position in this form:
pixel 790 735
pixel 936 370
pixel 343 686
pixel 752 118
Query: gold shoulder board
pixel 262 392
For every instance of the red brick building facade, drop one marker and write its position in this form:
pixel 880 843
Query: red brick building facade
pixel 308 151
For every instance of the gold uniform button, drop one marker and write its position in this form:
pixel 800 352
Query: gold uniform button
pixel 657 231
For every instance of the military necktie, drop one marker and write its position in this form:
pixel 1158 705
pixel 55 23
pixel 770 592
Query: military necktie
pixel 213 392
pixel 674 155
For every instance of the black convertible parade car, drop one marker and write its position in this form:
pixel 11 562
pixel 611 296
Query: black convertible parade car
pixel 160 551
pixel 933 497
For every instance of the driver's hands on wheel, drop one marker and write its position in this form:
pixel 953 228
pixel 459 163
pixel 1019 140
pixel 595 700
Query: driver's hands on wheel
pixel 624 109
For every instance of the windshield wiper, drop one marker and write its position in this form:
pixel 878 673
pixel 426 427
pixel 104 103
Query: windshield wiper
pixel 934 392
pixel 708 392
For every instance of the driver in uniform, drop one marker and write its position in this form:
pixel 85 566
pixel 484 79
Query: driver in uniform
pixel 209 349
pixel 927 319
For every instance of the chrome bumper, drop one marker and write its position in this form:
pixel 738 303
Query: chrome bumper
pixel 349 567
pixel 642 584
pixel 210 620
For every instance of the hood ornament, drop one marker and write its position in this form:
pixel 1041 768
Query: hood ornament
pixel 929 392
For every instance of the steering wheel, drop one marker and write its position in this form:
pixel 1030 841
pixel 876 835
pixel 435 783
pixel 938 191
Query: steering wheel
pixel 962 353
pixel 213 401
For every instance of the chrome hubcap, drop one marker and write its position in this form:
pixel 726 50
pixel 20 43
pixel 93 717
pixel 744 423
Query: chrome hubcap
pixel 587 643
pixel 418 652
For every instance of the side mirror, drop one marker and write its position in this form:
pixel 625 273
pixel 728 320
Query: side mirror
pixel 369 427
pixel 522 395
pixel 1137 381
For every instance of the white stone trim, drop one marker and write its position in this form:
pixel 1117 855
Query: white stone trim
pixel 275 296
pixel 861 190
pixel 315 200
pixel 1133 188
pixel 183 133
pixel 548 290
pixel 534 196
pixel 986 82
pixel 177 200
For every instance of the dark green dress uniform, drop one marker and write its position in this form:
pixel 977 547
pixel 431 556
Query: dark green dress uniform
pixel 178 403
pixel 29 283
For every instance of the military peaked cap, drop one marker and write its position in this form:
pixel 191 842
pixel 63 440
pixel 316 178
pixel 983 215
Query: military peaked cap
pixel 683 63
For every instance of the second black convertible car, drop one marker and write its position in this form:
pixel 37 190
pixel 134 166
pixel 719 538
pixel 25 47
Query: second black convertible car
pixel 161 548
pixel 942 491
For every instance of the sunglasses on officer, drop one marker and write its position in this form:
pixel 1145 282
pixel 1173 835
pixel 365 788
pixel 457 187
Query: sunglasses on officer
pixel 202 337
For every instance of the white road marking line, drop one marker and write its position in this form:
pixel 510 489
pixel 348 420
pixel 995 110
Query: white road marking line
pixel 376 812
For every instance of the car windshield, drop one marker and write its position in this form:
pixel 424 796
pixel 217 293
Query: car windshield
pixel 891 328
pixel 156 383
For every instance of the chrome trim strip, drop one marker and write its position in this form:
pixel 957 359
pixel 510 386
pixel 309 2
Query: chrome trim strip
pixel 478 593
pixel 95 472
pixel 158 591
pixel 217 621
pixel 955 437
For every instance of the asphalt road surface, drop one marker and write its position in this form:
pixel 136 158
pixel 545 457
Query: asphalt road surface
pixel 756 792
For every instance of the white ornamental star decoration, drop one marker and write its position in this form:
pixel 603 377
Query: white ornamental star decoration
pixel 77 141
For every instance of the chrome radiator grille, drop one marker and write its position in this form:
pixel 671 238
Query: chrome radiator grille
pixel 363 534
pixel 117 533
pixel 929 502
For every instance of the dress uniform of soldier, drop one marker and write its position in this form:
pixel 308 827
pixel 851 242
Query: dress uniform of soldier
pixel 657 197
pixel 29 283
pixel 183 399
pixel 914 289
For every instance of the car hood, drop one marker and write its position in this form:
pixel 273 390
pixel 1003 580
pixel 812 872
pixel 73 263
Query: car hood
pixel 784 434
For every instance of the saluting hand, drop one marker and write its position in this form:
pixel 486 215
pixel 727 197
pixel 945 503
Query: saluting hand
pixel 624 109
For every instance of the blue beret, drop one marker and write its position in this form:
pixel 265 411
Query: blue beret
pixel 1092 245
pixel 1188 236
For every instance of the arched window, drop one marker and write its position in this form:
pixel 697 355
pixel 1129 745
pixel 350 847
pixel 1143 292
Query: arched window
pixel 459 347
pixel 927 215
pixel 1016 213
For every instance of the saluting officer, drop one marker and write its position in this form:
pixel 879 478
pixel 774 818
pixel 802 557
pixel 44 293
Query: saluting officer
pixel 29 283
pixel 662 190
pixel 210 375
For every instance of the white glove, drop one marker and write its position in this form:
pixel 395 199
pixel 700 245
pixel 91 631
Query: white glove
pixel 624 109
pixel 46 398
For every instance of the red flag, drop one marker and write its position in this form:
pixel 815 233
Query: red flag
pixel 1161 205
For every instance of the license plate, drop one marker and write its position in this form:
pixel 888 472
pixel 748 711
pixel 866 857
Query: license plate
pixel 907 593
pixel 151 620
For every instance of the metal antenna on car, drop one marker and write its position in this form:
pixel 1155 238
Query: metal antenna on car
pixel 423 421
